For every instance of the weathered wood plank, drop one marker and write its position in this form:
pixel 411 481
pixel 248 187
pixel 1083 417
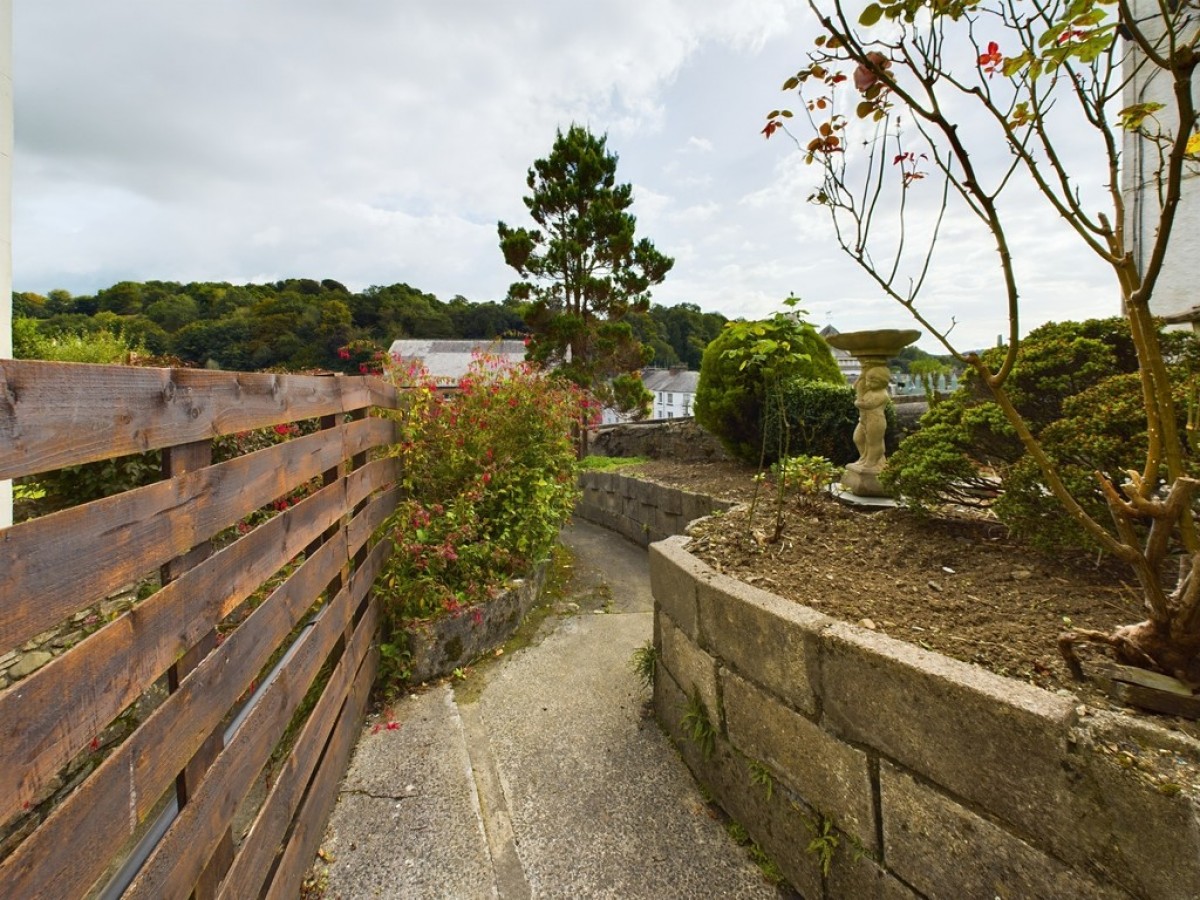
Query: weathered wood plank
pixel 107 807
pixel 61 414
pixel 57 565
pixel 361 483
pixel 261 844
pixel 383 394
pixel 363 525
pixel 49 717
pixel 180 857
pixel 322 793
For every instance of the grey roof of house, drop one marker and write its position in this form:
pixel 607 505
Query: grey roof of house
pixel 679 381
pixel 449 360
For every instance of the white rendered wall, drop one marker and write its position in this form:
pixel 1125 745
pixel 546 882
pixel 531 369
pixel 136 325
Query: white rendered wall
pixel 1177 289
pixel 6 150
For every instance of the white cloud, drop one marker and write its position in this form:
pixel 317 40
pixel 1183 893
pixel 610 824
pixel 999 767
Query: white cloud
pixel 377 142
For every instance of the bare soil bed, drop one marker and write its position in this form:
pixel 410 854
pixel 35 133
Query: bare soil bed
pixel 955 584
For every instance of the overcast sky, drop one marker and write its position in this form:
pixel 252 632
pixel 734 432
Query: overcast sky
pixel 379 141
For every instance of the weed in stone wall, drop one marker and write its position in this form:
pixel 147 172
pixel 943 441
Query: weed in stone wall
pixel 645 663
pixel 770 871
pixel 824 841
pixel 761 775
pixel 698 726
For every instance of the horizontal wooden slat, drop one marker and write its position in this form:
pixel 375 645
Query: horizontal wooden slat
pixel 383 394
pixel 49 717
pixel 180 857
pixel 61 414
pixel 363 525
pixel 257 852
pixel 59 564
pixel 107 807
pixel 374 475
pixel 318 802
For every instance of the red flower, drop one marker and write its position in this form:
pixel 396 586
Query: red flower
pixel 282 429
pixel 865 76
pixel 1071 35
pixel 992 60
pixel 343 353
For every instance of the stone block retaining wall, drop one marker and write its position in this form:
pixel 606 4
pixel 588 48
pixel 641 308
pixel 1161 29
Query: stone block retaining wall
pixel 443 645
pixel 867 767
pixel 641 510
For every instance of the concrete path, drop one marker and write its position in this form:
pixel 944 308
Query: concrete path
pixel 541 775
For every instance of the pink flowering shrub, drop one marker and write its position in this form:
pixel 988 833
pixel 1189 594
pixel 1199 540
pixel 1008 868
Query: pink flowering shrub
pixel 489 477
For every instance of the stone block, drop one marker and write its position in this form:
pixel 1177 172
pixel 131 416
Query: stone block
pixel 673 575
pixel 780 824
pixel 693 669
pixel 667 523
pixel 971 731
pixel 1113 816
pixel 830 776
pixel 29 662
pixel 691 506
pixel 670 705
pixel 634 530
pixel 855 875
pixel 776 825
pixel 669 499
pixel 944 850
pixel 765 638
pixel 1017 753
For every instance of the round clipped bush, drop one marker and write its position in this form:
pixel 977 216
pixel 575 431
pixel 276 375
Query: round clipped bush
pixel 749 368
pixel 817 418
pixel 1075 385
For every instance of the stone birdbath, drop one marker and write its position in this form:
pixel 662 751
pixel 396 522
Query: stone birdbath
pixel 872 349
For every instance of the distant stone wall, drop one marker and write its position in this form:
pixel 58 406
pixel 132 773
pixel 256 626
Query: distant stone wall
pixel 641 510
pixel 681 440
pixel 913 774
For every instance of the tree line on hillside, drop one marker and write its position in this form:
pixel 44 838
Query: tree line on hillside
pixel 302 324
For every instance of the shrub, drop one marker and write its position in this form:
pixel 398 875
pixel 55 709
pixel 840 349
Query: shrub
pixel 806 475
pixel 1087 418
pixel 744 370
pixel 99 346
pixel 820 421
pixel 1102 429
pixel 489 478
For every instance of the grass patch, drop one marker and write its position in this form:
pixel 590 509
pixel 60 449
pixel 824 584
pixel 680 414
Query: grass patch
pixel 644 663
pixel 607 463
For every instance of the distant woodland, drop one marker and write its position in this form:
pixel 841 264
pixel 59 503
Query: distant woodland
pixel 303 324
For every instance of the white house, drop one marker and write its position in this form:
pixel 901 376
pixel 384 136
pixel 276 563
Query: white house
pixel 1175 294
pixel 850 367
pixel 448 361
pixel 674 393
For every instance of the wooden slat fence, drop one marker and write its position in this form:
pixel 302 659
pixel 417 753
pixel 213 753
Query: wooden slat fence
pixel 265 645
